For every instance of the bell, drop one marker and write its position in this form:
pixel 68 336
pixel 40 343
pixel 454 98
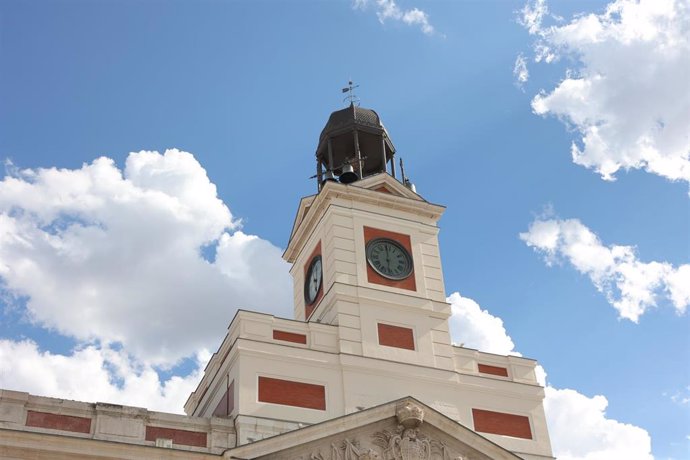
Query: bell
pixel 329 176
pixel 348 175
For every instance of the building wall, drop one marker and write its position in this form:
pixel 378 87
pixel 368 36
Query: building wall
pixel 31 426
pixel 354 382
pixel 368 339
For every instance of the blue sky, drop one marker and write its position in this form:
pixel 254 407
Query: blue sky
pixel 584 258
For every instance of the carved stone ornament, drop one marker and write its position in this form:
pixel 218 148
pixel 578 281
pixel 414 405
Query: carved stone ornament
pixel 409 446
pixel 404 442
pixel 410 415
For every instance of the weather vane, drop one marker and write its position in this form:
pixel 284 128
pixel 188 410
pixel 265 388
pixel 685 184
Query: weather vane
pixel 351 98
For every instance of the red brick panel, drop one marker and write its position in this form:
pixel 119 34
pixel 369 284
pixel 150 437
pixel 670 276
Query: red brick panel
pixel 181 437
pixel 513 425
pixel 227 402
pixel 231 397
pixel 58 422
pixel 383 189
pixel 289 393
pixel 396 336
pixel 373 277
pixel 289 336
pixel 221 409
pixel 309 309
pixel 494 370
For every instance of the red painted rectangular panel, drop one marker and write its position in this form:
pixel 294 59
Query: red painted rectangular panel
pixel 231 397
pixel 58 422
pixel 309 309
pixel 290 393
pixel 221 409
pixel 373 277
pixel 181 437
pixel 494 370
pixel 513 425
pixel 396 336
pixel 289 336
pixel 227 402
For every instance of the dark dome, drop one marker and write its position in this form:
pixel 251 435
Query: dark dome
pixel 350 117
pixel 352 133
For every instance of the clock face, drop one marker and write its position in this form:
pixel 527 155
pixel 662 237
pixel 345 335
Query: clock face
pixel 312 283
pixel 389 258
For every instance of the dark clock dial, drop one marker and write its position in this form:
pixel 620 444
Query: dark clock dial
pixel 312 283
pixel 389 258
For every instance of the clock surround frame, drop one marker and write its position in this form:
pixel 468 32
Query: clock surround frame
pixel 407 255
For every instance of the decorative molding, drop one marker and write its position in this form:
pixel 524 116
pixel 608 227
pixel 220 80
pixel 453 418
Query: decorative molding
pixel 404 441
pixel 409 415
pixel 306 220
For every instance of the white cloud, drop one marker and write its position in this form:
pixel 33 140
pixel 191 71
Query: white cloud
pixel 112 376
pixel 389 10
pixel 532 15
pixel 115 256
pixel 631 286
pixel 682 398
pixel 520 71
pixel 578 426
pixel 540 374
pixel 580 430
pixel 476 328
pixel 628 94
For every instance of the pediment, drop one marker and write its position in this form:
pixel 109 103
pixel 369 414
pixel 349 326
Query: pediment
pixel 302 210
pixel 382 183
pixel 400 430
pixel 380 190
pixel 385 183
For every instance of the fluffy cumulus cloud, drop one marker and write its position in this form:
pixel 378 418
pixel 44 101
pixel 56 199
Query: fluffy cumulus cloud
pixel 578 426
pixel 630 285
pixel 627 91
pixel 112 376
pixel 580 430
pixel 108 256
pixel 388 10
pixel 476 328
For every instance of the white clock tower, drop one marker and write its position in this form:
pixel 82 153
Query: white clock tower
pixel 377 240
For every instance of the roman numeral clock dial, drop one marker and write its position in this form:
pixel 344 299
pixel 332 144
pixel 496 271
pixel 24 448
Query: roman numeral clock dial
pixel 389 258
pixel 312 282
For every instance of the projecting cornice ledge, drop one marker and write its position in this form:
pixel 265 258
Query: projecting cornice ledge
pixel 399 430
pixel 312 208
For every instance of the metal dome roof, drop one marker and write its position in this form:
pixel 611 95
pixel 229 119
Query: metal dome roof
pixel 350 117
pixel 354 136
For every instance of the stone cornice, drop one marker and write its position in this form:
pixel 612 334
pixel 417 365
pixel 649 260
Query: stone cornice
pixel 392 411
pixel 357 192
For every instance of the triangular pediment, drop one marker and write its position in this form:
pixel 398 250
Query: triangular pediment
pixel 368 191
pixel 385 183
pixel 401 429
pixel 382 183
pixel 304 206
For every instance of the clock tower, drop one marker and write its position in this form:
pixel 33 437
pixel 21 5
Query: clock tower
pixel 364 253
pixel 370 321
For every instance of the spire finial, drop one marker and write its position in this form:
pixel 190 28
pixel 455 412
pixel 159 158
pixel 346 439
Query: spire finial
pixel 351 97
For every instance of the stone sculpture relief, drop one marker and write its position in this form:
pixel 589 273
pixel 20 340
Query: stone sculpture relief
pixel 405 442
